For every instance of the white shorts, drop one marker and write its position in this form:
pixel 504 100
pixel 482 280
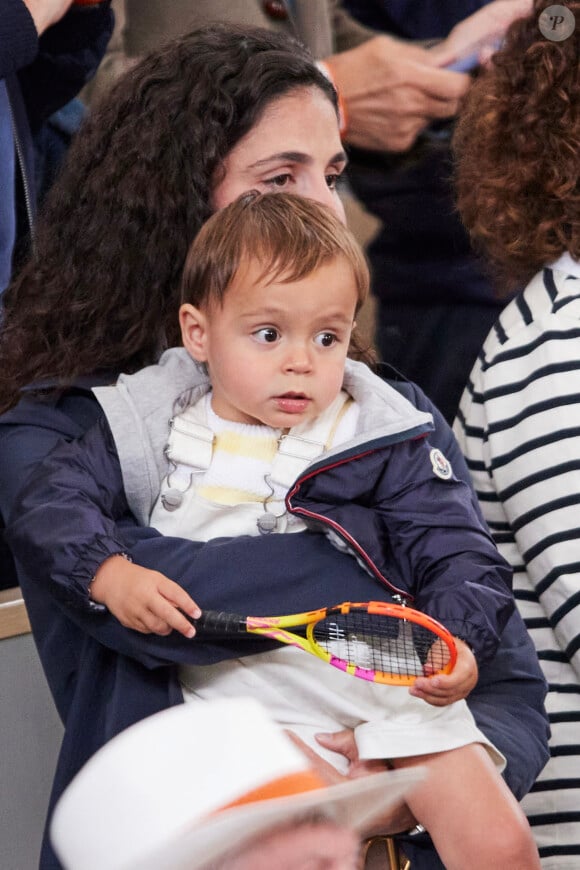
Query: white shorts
pixel 307 696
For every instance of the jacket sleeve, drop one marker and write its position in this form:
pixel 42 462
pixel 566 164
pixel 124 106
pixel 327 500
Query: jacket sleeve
pixel 441 437
pixel 63 525
pixel 419 531
pixel 68 55
pixel 261 575
pixel 508 700
pixel 508 705
pixel 442 551
pixel 72 514
pixel 450 555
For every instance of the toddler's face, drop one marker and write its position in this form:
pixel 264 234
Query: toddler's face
pixel 275 351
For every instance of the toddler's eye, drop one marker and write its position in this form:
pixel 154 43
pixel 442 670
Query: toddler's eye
pixel 326 339
pixel 266 335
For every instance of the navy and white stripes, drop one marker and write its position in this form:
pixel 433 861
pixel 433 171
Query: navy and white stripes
pixel 519 428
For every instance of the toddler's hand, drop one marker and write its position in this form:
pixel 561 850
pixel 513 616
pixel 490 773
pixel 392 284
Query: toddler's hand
pixel 143 600
pixel 446 688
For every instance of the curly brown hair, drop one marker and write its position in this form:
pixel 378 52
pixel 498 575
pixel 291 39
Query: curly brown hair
pixel 101 292
pixel 288 235
pixel 517 149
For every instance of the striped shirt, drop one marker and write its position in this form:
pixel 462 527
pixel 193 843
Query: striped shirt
pixel 519 428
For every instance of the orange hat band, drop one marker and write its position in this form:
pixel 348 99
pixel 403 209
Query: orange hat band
pixel 292 784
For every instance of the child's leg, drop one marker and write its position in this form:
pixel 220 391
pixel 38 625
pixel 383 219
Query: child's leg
pixel 473 819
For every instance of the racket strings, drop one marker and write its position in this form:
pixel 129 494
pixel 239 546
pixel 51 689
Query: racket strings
pixel 383 644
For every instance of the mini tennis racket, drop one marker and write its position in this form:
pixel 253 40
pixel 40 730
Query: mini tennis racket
pixel 375 640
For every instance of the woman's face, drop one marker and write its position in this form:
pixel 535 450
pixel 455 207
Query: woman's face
pixel 295 147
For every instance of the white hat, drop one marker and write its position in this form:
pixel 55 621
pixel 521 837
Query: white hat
pixel 188 785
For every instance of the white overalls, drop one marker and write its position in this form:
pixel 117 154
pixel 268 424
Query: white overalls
pixel 301 692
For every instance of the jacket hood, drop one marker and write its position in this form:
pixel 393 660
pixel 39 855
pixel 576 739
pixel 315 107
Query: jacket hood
pixel 140 406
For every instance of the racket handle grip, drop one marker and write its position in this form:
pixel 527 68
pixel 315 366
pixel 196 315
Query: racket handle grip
pixel 219 622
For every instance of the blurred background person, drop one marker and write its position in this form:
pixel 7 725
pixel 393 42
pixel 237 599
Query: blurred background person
pixel 48 50
pixel 435 300
pixel 517 145
pixel 217 786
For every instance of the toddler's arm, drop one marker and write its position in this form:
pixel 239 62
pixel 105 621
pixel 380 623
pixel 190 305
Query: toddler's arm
pixel 438 548
pixel 141 599
pixel 65 520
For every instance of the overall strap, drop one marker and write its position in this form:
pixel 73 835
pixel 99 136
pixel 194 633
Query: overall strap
pixel 305 443
pixel 190 438
pixel 191 441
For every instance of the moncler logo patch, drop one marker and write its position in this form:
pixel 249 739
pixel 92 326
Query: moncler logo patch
pixel 441 466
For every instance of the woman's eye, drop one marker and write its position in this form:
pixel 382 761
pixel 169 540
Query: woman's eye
pixel 326 339
pixel 279 180
pixel 332 180
pixel 267 335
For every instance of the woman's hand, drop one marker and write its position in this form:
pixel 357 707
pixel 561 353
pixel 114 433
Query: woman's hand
pixel 143 600
pixel 397 818
pixel 392 90
pixel 344 743
pixel 481 32
pixel 446 688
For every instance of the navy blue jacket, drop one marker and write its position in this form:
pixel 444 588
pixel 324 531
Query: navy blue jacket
pixel 382 495
pixel 40 76
pixel 412 193
pixel 104 677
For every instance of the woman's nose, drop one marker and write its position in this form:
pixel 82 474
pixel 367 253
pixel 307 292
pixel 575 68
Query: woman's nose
pixel 319 191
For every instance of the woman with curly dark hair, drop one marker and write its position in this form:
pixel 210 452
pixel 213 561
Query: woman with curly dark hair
pixel 136 188
pixel 216 113
pixel 518 151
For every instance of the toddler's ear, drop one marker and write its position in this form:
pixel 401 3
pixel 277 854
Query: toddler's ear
pixel 193 331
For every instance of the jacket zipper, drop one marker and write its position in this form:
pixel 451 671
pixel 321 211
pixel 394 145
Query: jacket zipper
pixel 399 594
pixel 23 174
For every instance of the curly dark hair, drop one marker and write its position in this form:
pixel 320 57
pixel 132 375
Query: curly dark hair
pixel 101 292
pixel 517 147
